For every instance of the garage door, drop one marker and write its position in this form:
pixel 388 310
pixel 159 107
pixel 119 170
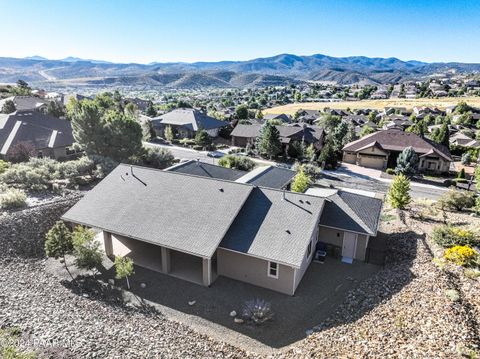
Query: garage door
pixel 372 162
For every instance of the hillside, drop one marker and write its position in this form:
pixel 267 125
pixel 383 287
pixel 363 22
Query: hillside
pixel 276 70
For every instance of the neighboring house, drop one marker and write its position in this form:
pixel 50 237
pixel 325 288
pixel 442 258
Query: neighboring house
pixel 185 122
pixel 265 176
pixel 51 136
pixel 26 103
pixel 380 150
pixel 282 117
pixel 460 139
pixel 244 134
pixel 198 228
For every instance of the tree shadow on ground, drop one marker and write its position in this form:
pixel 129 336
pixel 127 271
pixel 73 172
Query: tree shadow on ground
pixel 322 299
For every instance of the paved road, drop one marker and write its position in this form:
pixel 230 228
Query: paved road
pixel 365 183
pixel 190 154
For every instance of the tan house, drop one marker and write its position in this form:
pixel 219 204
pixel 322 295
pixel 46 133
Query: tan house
pixel 198 228
pixel 380 150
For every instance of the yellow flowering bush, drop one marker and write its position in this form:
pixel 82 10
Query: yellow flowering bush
pixel 461 255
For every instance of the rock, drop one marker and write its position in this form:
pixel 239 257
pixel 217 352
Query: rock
pixel 143 285
pixel 192 302
pixel 233 313
pixel 238 320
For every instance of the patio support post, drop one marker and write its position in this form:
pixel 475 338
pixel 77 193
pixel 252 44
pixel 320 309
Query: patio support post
pixel 165 260
pixel 107 240
pixel 207 271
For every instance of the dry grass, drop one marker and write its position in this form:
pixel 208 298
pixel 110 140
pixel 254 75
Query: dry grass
pixel 375 104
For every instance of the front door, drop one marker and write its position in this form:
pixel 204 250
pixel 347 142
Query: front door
pixel 349 242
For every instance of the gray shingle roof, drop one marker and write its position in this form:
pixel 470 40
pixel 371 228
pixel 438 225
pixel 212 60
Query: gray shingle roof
pixel 352 212
pixel 187 213
pixel 274 229
pixel 41 130
pixel 268 176
pixel 25 103
pixel 207 170
pixel 311 134
pixel 190 118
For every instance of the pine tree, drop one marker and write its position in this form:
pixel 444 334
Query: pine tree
pixel 59 243
pixel 202 138
pixel 268 142
pixel 398 194
pixel 169 133
pixel 407 162
pixel 461 174
pixel 86 249
pixel 124 268
pixel 151 112
pixel 442 136
pixel 8 107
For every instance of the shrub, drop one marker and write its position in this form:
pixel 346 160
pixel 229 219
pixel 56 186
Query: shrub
pixel 390 171
pixel 21 152
pixel 158 157
pixel 258 311
pixel 449 236
pixel 103 165
pixel 301 182
pixel 457 200
pixel 4 165
pixel 86 248
pixel 466 159
pixel 461 255
pixel 12 198
pixel 237 162
pixel 461 174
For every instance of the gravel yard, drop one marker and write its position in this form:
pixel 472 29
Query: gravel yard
pixel 401 311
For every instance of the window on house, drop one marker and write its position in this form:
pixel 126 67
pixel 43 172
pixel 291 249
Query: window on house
pixel 309 249
pixel 273 269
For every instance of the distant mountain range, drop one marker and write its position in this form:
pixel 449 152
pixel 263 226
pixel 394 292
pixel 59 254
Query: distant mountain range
pixel 276 70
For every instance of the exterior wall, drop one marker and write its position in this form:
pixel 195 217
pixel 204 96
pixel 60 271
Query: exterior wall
pixel 240 141
pixel 437 164
pixel 349 157
pixel 335 237
pixel 254 271
pixel 213 132
pixel 372 161
pixel 307 259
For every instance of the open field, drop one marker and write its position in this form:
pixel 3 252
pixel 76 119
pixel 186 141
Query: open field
pixel 375 104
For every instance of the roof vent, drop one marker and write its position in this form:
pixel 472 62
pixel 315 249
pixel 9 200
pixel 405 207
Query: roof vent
pixel 283 195
pixel 288 231
pixel 221 190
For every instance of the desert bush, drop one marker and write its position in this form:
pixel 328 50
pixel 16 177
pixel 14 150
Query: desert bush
pixel 309 169
pixel 4 165
pixel 21 152
pixel 472 273
pixel 158 157
pixel 103 165
pixel 258 311
pixel 461 255
pixel 12 198
pixel 457 200
pixel 450 236
pixel 237 162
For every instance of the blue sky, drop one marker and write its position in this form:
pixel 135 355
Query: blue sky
pixel 187 30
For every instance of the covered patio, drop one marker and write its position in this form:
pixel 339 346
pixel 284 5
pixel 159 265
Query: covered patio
pixel 157 258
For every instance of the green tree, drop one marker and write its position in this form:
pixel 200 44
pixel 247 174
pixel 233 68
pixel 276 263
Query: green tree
pixel 407 162
pixel 124 268
pixel 328 156
pixel 242 112
pixel 466 159
pixel 151 112
pixel 301 182
pixel 259 114
pixel 168 133
pixel 55 109
pixel 310 153
pixel 442 136
pixel 59 243
pixel 399 192
pixel 296 149
pixel 131 110
pixel 88 126
pixel 8 107
pixel 123 137
pixel 157 157
pixel 366 130
pixel 86 249
pixel 202 138
pixel 236 162
pixel 268 142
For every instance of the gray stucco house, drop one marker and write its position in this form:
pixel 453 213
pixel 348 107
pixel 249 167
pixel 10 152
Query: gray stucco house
pixel 199 227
